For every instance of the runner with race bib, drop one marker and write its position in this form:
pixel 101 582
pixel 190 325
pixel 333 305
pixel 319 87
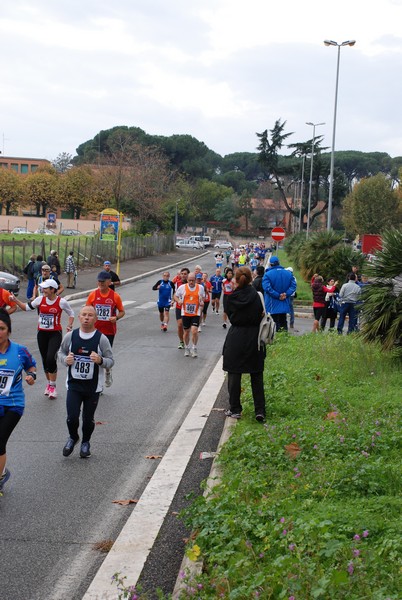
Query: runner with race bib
pixel 109 309
pixel 87 353
pixel 50 308
pixel 191 298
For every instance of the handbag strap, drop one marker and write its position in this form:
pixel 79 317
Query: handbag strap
pixel 262 301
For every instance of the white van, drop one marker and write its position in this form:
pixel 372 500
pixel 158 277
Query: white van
pixel 204 239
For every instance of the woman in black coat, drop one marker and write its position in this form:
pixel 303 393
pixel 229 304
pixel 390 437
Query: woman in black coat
pixel 240 351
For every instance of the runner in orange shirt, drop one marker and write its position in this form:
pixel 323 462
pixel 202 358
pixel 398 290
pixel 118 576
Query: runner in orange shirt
pixel 191 297
pixel 6 301
pixel 109 309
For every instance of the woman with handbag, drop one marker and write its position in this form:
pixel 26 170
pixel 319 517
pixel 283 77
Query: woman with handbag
pixel 241 352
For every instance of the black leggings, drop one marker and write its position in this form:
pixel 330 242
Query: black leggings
pixel 49 344
pixel 89 403
pixel 257 388
pixel 7 424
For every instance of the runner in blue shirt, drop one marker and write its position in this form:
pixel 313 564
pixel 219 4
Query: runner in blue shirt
pixel 14 359
pixel 164 302
pixel 216 282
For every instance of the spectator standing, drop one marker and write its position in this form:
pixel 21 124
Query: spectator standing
pixel 53 260
pixel 46 273
pixel 241 353
pixel 349 296
pixel 319 294
pixel 331 311
pixel 115 279
pixel 30 273
pixel 291 299
pixel 70 270
pixel 278 285
pixel 37 268
pixel 257 283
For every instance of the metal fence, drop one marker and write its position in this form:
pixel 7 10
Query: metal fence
pixel 88 251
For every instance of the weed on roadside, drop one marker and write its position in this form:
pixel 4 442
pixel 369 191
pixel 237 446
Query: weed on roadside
pixel 309 504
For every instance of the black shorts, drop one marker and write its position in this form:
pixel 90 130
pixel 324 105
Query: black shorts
pixel 162 309
pixel 319 311
pixel 216 295
pixel 189 322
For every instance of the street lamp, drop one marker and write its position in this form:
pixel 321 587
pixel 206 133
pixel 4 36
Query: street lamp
pixel 301 193
pixel 331 174
pixel 314 125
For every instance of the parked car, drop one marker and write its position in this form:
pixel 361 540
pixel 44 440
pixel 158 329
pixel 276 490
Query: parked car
pixel 189 244
pixel 91 233
pixel 21 231
pixel 9 282
pixel 70 232
pixel 45 231
pixel 223 245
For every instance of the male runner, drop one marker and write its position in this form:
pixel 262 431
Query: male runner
pixel 179 280
pixel 166 289
pixel 216 282
pixel 191 297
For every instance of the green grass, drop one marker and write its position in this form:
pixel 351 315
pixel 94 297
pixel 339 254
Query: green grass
pixel 324 522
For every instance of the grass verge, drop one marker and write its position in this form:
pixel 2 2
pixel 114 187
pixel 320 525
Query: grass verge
pixel 309 504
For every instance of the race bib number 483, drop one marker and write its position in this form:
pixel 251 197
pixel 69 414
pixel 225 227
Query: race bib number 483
pixel 82 368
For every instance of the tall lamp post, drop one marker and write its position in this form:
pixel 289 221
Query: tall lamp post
pixel 314 125
pixel 331 175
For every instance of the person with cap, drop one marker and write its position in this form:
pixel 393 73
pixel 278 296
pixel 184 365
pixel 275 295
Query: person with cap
pixel 50 308
pixel 278 285
pixel 109 309
pixel 46 273
pixel 115 279
pixel 87 354
pixel 14 359
pixel 166 289
pixel 70 270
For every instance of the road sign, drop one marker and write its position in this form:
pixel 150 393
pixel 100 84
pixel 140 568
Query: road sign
pixel 277 234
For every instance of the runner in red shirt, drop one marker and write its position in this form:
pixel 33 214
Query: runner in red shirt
pixel 228 288
pixel 109 309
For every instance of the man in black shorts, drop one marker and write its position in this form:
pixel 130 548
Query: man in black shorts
pixel 190 296
pixel 178 281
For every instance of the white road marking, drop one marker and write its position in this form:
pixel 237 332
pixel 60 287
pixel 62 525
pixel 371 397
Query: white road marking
pixel 130 551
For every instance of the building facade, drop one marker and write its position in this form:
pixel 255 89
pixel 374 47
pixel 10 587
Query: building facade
pixel 22 166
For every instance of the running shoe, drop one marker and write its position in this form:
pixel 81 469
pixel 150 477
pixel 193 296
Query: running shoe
pixel 108 378
pixel 69 446
pixel 52 392
pixel 46 392
pixel 233 415
pixel 164 327
pixel 199 329
pixel 186 351
pixel 4 478
pixel 180 346
pixel 194 353
pixel 85 451
pixel 260 417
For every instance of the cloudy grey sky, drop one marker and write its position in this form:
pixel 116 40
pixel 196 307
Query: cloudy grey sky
pixel 219 70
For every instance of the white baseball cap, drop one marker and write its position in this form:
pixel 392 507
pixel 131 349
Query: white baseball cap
pixel 48 283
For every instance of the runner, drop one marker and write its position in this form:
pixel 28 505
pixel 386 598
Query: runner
pixel 46 273
pixel 191 297
pixel 228 288
pixel 50 307
pixel 207 298
pixel 13 360
pixel 109 309
pixel 6 301
pixel 166 290
pixel 107 265
pixel 179 280
pixel 216 282
pixel 86 352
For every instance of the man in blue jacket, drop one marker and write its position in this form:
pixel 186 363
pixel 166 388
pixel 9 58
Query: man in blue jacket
pixel 278 285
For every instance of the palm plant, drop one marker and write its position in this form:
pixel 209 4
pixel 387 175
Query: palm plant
pixel 382 298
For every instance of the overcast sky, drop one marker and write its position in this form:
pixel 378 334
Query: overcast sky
pixel 219 70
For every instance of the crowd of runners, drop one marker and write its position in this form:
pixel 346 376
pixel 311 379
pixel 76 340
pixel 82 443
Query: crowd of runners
pixel 85 351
